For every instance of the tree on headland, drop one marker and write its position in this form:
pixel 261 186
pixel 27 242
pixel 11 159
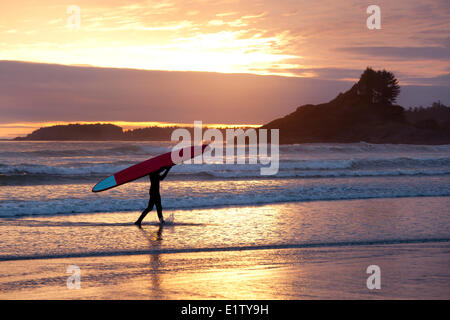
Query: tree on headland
pixel 378 86
pixel 366 112
pixel 435 116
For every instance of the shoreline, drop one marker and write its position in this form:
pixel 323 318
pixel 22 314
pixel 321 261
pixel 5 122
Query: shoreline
pixel 303 250
pixel 228 206
pixel 347 245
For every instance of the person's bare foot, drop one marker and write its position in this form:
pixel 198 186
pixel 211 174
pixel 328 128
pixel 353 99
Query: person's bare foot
pixel 138 223
pixel 161 221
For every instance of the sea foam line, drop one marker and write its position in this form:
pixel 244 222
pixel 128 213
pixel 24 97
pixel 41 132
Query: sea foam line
pixel 223 249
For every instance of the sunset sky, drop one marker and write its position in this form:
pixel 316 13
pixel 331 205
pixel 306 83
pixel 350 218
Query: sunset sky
pixel 324 42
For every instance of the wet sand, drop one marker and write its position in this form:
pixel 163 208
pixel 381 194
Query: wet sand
pixel 408 271
pixel 304 250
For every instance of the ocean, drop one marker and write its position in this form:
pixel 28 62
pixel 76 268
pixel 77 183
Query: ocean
pixel 54 178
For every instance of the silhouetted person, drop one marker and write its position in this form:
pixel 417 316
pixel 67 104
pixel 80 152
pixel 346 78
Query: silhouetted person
pixel 155 196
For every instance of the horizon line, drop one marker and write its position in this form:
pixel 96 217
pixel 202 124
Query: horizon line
pixel 25 128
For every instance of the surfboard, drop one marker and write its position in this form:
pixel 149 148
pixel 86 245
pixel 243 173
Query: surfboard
pixel 146 167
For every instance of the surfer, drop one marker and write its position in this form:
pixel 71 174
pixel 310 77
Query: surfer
pixel 155 196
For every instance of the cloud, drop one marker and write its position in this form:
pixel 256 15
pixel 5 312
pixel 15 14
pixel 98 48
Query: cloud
pixel 329 38
pixel 441 80
pixel 414 96
pixel 34 92
pixel 45 92
pixel 327 73
pixel 224 14
pixel 234 23
pixel 401 53
pixel 255 16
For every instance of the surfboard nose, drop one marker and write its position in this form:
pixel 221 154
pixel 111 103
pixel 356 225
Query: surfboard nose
pixel 105 184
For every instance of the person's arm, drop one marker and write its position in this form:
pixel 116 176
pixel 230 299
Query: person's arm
pixel 165 173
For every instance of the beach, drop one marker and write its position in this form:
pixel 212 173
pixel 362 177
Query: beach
pixel 246 252
pixel 253 153
pixel 309 232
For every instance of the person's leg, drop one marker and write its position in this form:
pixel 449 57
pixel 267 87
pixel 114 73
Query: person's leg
pixel 149 208
pixel 159 209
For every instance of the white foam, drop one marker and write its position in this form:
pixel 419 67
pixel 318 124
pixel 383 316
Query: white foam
pixel 223 194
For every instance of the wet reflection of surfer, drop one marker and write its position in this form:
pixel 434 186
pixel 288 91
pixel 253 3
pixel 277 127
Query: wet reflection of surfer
pixel 155 196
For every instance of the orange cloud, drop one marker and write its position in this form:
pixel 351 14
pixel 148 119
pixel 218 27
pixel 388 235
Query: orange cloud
pixel 251 36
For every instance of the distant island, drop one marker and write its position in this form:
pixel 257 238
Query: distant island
pixel 367 112
pixel 99 131
pixel 103 132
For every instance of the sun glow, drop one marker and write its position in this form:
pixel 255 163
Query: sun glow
pixel 287 38
pixel 150 37
pixel 223 52
pixel 12 130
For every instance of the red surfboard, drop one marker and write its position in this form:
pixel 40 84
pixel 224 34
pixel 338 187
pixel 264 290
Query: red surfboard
pixel 148 166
